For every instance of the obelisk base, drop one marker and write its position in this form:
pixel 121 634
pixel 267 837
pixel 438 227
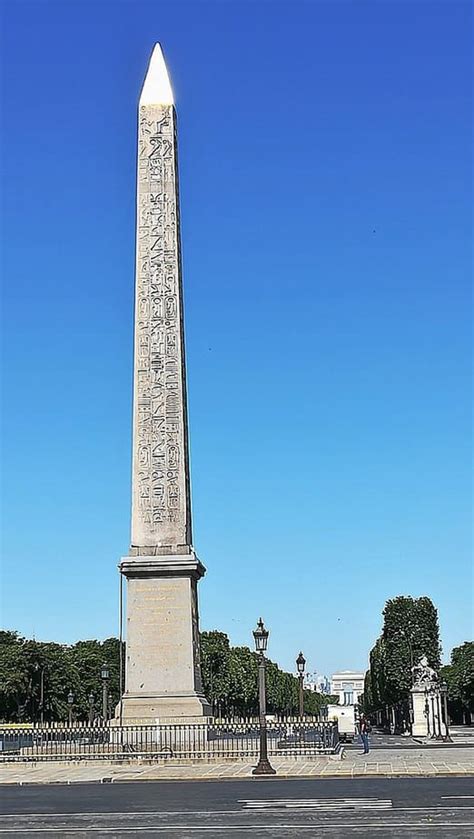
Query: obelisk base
pixel 149 710
pixel 162 668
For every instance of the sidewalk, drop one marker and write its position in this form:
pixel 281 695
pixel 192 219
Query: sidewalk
pixel 380 763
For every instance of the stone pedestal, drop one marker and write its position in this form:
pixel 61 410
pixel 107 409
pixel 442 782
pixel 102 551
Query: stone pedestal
pixel 420 717
pixel 163 675
pixel 428 713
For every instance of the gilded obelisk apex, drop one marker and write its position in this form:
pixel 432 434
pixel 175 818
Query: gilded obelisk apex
pixel 162 676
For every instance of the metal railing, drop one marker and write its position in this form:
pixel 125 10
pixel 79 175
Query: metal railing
pixel 208 740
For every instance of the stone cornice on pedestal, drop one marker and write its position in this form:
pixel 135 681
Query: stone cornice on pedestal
pixel 177 565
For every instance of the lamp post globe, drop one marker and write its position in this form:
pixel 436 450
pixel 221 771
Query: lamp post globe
pixel 301 663
pixel 260 635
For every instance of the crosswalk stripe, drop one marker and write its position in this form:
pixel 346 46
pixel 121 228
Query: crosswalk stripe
pixel 317 804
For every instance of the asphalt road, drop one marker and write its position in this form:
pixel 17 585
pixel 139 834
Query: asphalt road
pixel 396 741
pixel 260 808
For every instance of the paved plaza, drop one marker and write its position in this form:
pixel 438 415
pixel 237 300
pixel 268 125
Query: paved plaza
pixel 382 762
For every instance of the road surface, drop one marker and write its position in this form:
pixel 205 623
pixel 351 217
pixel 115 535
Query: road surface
pixel 260 808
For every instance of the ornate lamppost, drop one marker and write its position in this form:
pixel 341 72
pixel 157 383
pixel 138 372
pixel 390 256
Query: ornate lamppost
pixel 41 669
pixel 432 695
pixel 260 635
pixel 300 666
pixel 104 675
pixel 444 699
pixel 70 703
pixel 427 713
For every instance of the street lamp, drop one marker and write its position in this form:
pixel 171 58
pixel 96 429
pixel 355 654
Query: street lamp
pixel 105 674
pixel 427 713
pixel 70 702
pixel 432 694
pixel 444 698
pixel 91 708
pixel 260 635
pixel 300 665
pixel 41 701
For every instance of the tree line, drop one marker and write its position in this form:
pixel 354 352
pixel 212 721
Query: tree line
pixel 37 677
pixel 230 677
pixel 410 630
pixel 459 676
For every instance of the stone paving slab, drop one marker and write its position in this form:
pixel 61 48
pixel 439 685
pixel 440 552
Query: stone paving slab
pixel 380 763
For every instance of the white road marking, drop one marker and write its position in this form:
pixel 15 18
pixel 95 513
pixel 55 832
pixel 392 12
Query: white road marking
pixel 104 814
pixel 247 827
pixel 134 814
pixel 456 796
pixel 317 804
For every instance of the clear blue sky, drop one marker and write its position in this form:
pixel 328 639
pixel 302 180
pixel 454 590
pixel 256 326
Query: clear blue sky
pixel 325 179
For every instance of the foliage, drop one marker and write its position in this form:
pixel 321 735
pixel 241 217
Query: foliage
pixel 26 665
pixel 410 630
pixel 459 676
pixel 230 679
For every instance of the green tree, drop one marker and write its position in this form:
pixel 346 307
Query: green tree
pixel 410 630
pixel 243 687
pixel 87 658
pixel 459 676
pixel 366 701
pixel 377 663
pixel 215 667
pixel 26 665
pixel 33 671
pixel 15 677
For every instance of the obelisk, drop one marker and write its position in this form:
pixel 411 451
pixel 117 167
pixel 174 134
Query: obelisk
pixel 162 668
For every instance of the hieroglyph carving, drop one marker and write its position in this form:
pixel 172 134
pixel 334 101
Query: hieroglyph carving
pixel 160 516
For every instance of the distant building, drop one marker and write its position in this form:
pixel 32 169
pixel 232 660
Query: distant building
pixel 323 685
pixel 348 686
pixel 317 683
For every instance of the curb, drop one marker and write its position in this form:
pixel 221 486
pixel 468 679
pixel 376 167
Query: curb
pixel 283 777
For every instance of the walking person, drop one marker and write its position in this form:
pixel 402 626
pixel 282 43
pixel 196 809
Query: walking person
pixel 364 729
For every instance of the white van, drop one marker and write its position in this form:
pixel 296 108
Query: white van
pixel 345 716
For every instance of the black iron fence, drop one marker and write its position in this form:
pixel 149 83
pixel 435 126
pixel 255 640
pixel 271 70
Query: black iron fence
pixel 209 740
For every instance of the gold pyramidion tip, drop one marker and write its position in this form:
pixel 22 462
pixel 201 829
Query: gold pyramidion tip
pixel 157 87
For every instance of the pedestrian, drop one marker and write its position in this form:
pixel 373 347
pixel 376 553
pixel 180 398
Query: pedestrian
pixel 364 729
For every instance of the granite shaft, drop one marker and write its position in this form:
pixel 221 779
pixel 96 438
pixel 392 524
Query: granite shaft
pixel 161 510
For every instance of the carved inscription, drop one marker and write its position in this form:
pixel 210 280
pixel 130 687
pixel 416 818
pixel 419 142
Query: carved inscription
pixel 160 471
